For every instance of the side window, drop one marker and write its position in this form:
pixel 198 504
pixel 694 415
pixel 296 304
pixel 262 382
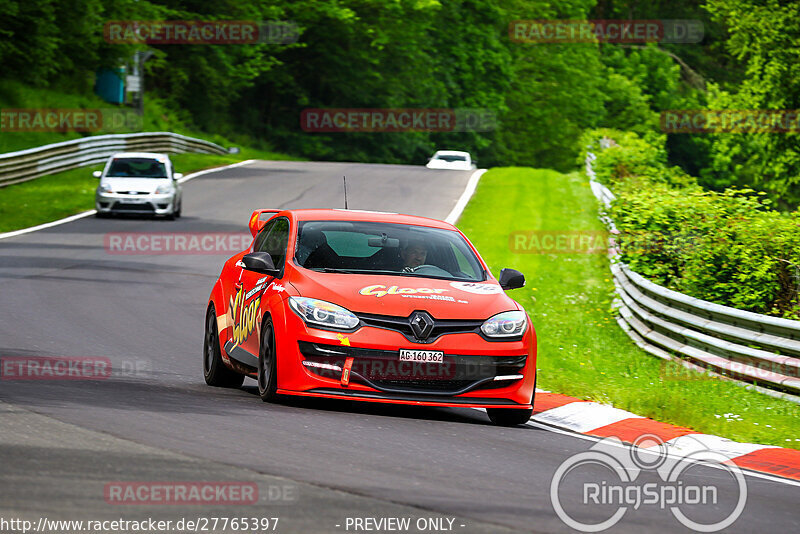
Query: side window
pixel 464 264
pixel 258 246
pixel 275 241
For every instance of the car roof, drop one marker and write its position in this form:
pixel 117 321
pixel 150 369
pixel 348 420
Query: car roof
pixel 363 215
pixel 150 155
pixel 452 153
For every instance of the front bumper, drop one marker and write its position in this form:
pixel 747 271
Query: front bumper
pixel 474 372
pixel 119 203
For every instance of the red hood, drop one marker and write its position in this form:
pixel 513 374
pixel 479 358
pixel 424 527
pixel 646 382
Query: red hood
pixel 401 295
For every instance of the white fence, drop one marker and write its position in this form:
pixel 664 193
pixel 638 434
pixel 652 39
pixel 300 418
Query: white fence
pixel 754 348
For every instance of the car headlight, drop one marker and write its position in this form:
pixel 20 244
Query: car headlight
pixel 323 314
pixel 105 188
pixel 164 189
pixel 506 324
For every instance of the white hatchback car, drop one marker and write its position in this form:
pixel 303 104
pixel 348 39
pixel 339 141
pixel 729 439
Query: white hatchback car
pixel 451 159
pixel 139 182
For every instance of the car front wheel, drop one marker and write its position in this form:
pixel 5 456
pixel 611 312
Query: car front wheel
pixel 267 363
pixel 509 416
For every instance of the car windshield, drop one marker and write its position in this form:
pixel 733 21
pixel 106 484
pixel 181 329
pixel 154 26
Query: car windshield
pixel 384 248
pixel 448 157
pixel 137 168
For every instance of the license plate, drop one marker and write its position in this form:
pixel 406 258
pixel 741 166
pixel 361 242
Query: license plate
pixel 425 356
pixel 135 200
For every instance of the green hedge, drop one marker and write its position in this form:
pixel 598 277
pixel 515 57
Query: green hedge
pixel 726 247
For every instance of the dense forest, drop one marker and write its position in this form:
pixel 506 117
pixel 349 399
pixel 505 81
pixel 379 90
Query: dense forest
pixel 447 54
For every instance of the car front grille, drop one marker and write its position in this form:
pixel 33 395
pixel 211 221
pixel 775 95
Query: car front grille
pixel 383 370
pixel 403 325
pixel 123 206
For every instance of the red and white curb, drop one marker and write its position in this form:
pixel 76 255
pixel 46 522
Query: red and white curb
pixel 602 421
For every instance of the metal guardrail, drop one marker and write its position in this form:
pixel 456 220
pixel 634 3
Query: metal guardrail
pixel 737 344
pixel 16 167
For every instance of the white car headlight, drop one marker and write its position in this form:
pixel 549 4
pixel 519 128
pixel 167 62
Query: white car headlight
pixel 324 314
pixel 506 324
pixel 105 188
pixel 164 189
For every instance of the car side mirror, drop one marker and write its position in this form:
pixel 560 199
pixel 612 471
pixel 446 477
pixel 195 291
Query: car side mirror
pixel 511 279
pixel 97 174
pixel 260 262
pixel 177 176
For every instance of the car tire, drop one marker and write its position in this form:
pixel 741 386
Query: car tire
pixel 267 363
pixel 214 370
pixel 509 416
pixel 180 208
pixel 102 215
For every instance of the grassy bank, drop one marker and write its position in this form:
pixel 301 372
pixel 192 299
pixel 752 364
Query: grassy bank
pixel 582 351
pixel 59 195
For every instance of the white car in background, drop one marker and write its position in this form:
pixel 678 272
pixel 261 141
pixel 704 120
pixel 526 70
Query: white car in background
pixel 140 183
pixel 451 159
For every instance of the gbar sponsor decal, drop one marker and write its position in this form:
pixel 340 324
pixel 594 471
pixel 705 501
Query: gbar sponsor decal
pixel 478 289
pixel 381 290
pixel 244 318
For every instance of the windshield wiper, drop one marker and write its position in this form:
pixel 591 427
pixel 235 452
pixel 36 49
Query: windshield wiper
pixel 390 273
pixel 354 271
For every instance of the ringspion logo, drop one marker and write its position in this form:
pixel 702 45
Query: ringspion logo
pixel 609 480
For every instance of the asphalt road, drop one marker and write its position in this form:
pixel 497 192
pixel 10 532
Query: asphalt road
pixel 318 464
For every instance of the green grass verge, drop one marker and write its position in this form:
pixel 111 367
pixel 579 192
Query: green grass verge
pixel 582 350
pixel 59 195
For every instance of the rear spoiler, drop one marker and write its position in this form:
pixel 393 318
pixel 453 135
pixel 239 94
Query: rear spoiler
pixel 259 218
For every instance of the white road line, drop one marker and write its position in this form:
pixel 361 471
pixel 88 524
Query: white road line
pixel 458 209
pixel 92 212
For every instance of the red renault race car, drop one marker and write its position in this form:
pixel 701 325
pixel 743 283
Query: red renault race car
pixel 374 307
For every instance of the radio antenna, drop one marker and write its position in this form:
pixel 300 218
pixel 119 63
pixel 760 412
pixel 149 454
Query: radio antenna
pixel 344 179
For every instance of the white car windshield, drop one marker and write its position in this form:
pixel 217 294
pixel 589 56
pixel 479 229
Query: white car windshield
pixel 137 168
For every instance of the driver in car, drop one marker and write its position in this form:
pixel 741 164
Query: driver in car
pixel 413 255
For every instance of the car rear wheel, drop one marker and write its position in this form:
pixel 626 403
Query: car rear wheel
pixel 509 416
pixel 267 363
pixel 214 370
